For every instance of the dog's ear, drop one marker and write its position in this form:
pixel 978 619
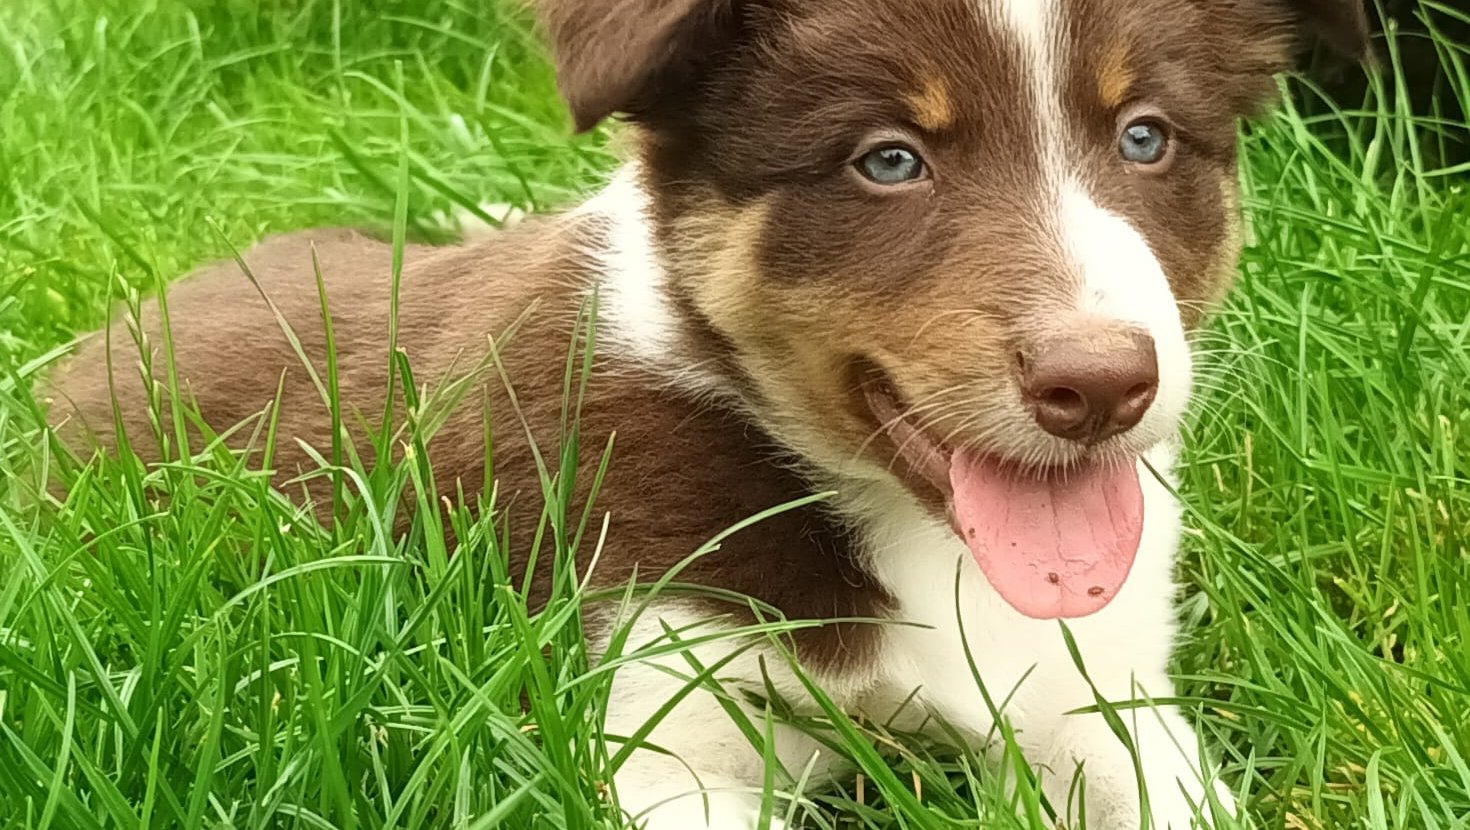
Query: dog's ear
pixel 625 55
pixel 1342 25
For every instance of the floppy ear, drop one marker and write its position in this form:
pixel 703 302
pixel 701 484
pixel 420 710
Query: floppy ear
pixel 1342 25
pixel 623 55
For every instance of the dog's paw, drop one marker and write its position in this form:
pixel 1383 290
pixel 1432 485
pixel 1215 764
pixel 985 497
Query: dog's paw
pixel 1182 804
pixel 471 225
pixel 712 811
pixel 1107 797
pixel 1175 803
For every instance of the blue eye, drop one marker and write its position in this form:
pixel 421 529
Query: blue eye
pixel 1144 142
pixel 891 165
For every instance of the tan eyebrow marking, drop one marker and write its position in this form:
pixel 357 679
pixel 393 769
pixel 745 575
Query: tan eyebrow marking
pixel 1115 77
pixel 933 107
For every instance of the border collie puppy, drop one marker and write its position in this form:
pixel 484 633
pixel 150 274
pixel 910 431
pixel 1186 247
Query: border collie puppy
pixel 939 258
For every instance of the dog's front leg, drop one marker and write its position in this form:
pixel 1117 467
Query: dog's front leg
pixel 697 769
pixel 1126 651
pixel 1089 771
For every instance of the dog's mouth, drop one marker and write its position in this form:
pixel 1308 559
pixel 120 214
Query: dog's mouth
pixel 1054 543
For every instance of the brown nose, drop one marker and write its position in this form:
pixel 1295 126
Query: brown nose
pixel 1091 385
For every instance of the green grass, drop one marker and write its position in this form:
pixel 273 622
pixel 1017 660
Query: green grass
pixel 214 658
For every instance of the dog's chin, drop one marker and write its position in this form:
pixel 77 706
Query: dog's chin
pixel 1054 528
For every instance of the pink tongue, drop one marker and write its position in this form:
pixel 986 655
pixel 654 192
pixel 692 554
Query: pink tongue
pixel 1052 546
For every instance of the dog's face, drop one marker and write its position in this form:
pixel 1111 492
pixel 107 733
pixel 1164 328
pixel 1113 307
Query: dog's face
pixel 976 230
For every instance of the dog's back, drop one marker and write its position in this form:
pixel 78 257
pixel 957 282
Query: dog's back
pixel 231 348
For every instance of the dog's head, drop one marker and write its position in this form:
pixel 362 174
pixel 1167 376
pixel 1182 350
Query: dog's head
pixel 955 243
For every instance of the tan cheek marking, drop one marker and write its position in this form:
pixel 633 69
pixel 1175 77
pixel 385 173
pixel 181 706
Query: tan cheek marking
pixel 1235 238
pixel 933 107
pixel 1218 273
pixel 721 247
pixel 786 338
pixel 1115 78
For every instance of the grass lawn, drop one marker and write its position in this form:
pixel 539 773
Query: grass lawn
pixel 215 659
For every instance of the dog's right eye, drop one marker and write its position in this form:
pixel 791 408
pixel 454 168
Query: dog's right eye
pixel 893 164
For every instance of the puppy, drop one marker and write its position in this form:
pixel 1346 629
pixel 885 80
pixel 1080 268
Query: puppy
pixel 939 258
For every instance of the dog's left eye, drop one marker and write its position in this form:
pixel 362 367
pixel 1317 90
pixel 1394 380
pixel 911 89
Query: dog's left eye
pixel 1144 142
pixel 891 165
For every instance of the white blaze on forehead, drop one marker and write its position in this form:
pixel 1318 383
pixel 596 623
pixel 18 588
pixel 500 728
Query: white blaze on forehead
pixel 1120 278
pixel 1038 31
pixel 1031 19
pixel 1118 275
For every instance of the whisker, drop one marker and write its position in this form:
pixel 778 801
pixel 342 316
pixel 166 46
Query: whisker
pixel 932 398
pixel 959 312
